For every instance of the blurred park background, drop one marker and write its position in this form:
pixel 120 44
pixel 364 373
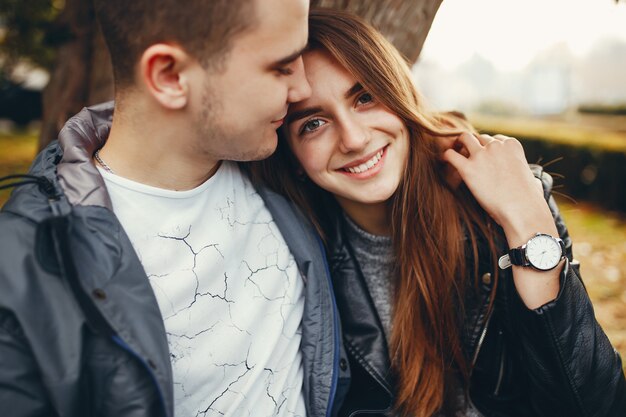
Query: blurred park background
pixel 551 73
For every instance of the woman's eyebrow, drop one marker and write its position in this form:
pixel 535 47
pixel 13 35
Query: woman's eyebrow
pixel 301 114
pixel 356 88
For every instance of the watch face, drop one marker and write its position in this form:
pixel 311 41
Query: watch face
pixel 543 252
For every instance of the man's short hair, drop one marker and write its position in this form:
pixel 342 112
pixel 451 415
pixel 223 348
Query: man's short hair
pixel 204 28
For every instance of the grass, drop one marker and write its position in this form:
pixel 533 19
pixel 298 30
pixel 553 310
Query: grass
pixel 599 242
pixel 16 153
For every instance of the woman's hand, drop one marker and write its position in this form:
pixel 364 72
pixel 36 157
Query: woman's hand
pixel 496 172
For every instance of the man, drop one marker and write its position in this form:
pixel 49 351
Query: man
pixel 142 274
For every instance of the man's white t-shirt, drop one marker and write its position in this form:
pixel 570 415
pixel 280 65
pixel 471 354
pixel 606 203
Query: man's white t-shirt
pixel 229 291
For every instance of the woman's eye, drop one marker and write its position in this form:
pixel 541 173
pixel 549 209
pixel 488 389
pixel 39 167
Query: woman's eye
pixel 365 98
pixel 312 125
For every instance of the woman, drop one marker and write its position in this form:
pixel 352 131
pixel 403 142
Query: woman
pixel 416 212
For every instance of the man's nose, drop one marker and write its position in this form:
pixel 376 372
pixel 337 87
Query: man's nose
pixel 300 89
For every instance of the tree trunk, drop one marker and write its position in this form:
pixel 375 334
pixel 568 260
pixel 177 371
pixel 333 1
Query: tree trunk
pixel 403 22
pixel 83 75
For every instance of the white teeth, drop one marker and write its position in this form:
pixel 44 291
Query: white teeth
pixel 366 165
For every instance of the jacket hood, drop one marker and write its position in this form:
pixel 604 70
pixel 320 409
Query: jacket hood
pixel 67 165
pixel 79 139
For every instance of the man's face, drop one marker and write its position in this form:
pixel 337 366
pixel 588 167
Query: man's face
pixel 238 106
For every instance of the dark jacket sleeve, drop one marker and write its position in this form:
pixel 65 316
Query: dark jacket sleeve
pixel 571 366
pixel 21 390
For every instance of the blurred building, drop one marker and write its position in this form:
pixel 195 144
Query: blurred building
pixel 554 81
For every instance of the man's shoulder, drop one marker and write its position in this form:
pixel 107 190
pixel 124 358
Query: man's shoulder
pixel 19 265
pixel 14 227
pixel 17 243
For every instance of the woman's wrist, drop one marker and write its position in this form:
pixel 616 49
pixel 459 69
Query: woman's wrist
pixel 522 227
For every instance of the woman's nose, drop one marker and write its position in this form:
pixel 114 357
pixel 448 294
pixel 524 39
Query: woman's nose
pixel 354 135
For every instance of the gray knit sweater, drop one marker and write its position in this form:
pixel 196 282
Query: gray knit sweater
pixel 376 259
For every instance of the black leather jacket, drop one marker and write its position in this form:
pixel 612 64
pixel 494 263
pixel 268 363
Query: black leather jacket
pixel 551 361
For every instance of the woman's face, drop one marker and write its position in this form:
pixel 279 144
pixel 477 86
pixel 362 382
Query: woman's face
pixel 345 140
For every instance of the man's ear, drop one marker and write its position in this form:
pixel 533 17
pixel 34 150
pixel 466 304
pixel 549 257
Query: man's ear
pixel 160 70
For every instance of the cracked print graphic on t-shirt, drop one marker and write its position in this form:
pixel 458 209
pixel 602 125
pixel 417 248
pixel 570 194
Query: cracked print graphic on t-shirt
pixel 230 294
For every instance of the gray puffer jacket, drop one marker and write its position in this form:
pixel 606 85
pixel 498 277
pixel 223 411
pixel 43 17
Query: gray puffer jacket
pixel 81 333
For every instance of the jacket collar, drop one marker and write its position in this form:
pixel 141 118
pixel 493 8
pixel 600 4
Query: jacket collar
pixel 79 139
pixel 360 321
pixel 361 324
pixel 67 165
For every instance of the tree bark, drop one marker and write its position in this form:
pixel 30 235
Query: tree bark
pixel 405 23
pixel 83 74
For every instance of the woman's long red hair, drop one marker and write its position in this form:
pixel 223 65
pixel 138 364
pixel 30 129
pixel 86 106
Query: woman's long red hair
pixel 430 221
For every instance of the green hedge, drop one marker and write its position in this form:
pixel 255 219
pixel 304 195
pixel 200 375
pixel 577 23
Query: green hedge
pixel 616 110
pixel 590 174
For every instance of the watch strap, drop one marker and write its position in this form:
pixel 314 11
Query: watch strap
pixel 504 261
pixel 514 256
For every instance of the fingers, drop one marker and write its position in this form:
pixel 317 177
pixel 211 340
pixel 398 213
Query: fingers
pixel 502 137
pixel 445 142
pixel 470 142
pixel 466 145
pixel 455 159
pixel 485 139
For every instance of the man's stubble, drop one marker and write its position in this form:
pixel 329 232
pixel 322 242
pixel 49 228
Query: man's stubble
pixel 219 141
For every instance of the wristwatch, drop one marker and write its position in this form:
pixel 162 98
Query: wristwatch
pixel 542 252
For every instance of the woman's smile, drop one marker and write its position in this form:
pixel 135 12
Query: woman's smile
pixel 365 167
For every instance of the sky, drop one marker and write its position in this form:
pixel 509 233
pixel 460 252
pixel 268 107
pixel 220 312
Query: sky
pixel 509 33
